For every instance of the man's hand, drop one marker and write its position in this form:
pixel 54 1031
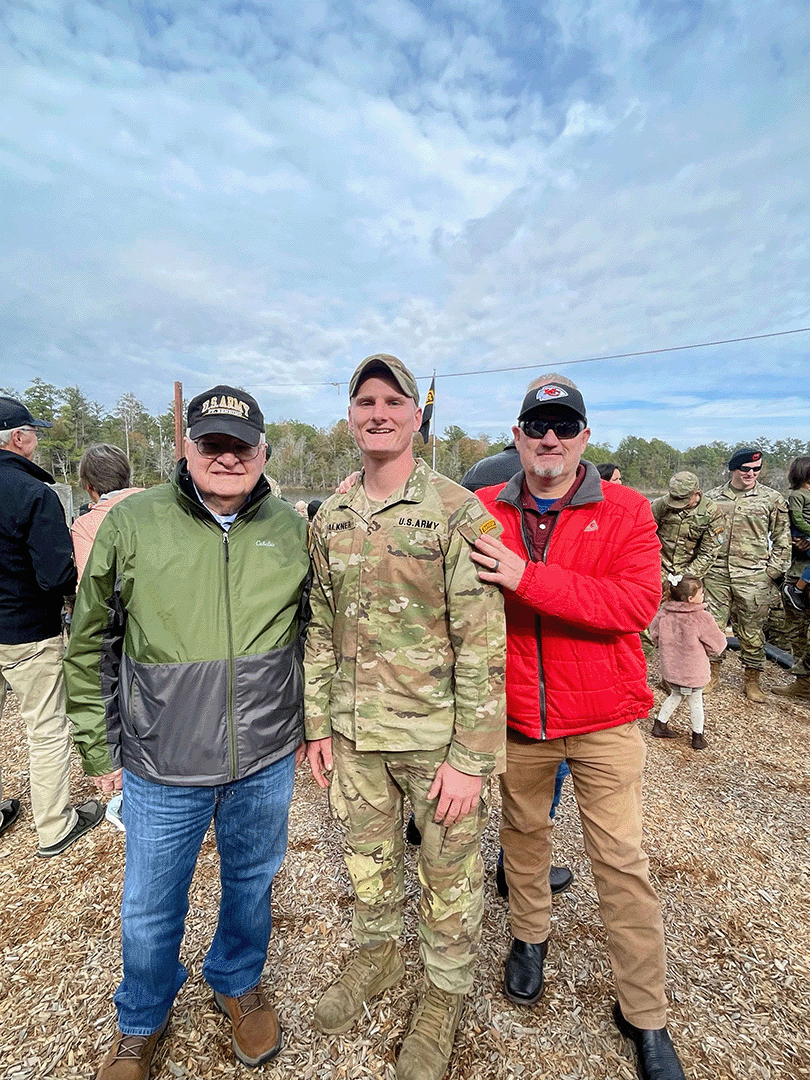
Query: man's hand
pixel 319 756
pixel 458 793
pixel 110 781
pixel 801 542
pixel 300 753
pixel 496 563
pixel 346 485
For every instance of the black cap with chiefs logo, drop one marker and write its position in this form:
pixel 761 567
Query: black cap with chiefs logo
pixel 553 396
pixel 742 457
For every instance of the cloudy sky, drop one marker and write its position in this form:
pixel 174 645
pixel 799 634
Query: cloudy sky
pixel 264 193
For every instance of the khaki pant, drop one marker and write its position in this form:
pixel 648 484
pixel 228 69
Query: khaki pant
pixel 366 798
pixel 606 770
pixel 34 672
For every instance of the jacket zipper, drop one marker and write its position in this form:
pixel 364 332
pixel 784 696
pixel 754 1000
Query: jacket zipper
pixel 231 725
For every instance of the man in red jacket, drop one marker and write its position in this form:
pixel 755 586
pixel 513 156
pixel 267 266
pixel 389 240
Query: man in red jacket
pixel 579 567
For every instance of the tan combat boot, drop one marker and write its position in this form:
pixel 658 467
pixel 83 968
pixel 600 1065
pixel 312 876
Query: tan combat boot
pixel 371 971
pixel 799 689
pixel 752 690
pixel 256 1030
pixel 425 1054
pixel 130 1056
pixel 715 679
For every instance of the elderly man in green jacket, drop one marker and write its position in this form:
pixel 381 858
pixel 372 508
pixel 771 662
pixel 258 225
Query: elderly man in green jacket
pixel 184 680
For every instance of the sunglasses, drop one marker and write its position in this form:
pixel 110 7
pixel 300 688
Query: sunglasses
pixel 214 448
pixel 749 468
pixel 563 429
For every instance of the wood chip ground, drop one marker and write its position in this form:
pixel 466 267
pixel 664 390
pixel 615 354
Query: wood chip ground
pixel 727 834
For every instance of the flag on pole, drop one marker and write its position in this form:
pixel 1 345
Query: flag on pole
pixel 427 411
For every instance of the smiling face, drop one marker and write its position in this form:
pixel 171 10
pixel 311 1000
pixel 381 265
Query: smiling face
pixel 383 419
pixel 550 463
pixel 744 478
pixel 224 480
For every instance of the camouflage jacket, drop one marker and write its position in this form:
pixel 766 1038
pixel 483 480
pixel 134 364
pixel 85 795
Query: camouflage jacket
pixel 690 538
pixel 406 648
pixel 756 535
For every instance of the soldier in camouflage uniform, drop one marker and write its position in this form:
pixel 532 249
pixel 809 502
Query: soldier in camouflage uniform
pixel 690 528
pixel 405 697
pixel 741 585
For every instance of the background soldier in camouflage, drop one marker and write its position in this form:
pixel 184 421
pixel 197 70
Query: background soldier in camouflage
pixel 405 697
pixel 741 585
pixel 690 528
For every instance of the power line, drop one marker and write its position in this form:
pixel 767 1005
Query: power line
pixel 581 360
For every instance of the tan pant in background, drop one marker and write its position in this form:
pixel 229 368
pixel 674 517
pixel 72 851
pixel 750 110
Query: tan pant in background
pixel 34 672
pixel 606 769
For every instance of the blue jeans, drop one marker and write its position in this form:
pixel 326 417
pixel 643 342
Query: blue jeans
pixel 165 829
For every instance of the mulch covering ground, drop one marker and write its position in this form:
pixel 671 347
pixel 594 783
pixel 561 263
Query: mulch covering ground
pixel 727 834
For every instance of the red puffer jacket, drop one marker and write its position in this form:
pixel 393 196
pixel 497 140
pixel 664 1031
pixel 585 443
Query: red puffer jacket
pixel 574 659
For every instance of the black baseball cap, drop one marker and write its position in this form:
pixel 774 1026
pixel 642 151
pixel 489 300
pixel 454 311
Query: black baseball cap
pixel 224 410
pixel 553 395
pixel 13 414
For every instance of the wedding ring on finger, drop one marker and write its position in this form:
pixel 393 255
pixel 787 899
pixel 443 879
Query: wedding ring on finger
pixel 495 567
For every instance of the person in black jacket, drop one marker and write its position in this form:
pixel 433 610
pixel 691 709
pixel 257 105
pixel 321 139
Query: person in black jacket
pixel 36 574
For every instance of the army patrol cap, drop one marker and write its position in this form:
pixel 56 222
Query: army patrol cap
pixel 682 486
pixel 224 410
pixel 556 395
pixel 388 365
pixel 742 457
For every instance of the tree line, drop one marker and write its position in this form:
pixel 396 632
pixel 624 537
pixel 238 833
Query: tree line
pixel 308 458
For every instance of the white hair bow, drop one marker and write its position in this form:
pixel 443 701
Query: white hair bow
pixel 673 579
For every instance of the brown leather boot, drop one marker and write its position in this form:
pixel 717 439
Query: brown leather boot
pixel 752 689
pixel 256 1030
pixel 130 1056
pixel 663 731
pixel 799 689
pixel 715 679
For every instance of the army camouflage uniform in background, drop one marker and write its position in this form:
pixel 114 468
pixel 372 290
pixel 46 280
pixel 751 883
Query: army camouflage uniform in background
pixel 741 585
pixel 690 537
pixel 405 667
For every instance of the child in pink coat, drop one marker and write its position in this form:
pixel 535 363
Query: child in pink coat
pixel 685 634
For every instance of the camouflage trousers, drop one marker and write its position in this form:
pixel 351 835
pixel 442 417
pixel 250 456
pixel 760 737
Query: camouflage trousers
pixel 789 629
pixel 745 602
pixel 366 798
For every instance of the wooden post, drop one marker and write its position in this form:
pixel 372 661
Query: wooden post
pixel 178 421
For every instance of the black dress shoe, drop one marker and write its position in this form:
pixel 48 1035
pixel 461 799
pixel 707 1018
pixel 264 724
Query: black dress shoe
pixel 560 879
pixel 412 834
pixel 9 812
pixel 656 1055
pixel 523 977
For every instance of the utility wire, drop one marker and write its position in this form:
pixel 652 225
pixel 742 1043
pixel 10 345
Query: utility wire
pixel 581 360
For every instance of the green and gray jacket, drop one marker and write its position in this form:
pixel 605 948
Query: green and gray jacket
pixel 185 655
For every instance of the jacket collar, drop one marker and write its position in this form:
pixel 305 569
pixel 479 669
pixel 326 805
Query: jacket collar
pixel 10 460
pixel 589 491
pixel 413 491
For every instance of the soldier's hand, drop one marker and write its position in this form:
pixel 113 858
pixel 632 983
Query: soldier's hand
pixel 496 563
pixel 319 756
pixel 458 793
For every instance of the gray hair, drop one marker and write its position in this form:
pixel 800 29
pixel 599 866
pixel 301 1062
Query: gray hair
pixel 541 380
pixel 105 467
pixel 5 436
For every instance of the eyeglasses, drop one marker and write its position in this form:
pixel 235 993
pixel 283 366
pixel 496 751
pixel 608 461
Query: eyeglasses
pixel 563 429
pixel 209 447
pixel 749 468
